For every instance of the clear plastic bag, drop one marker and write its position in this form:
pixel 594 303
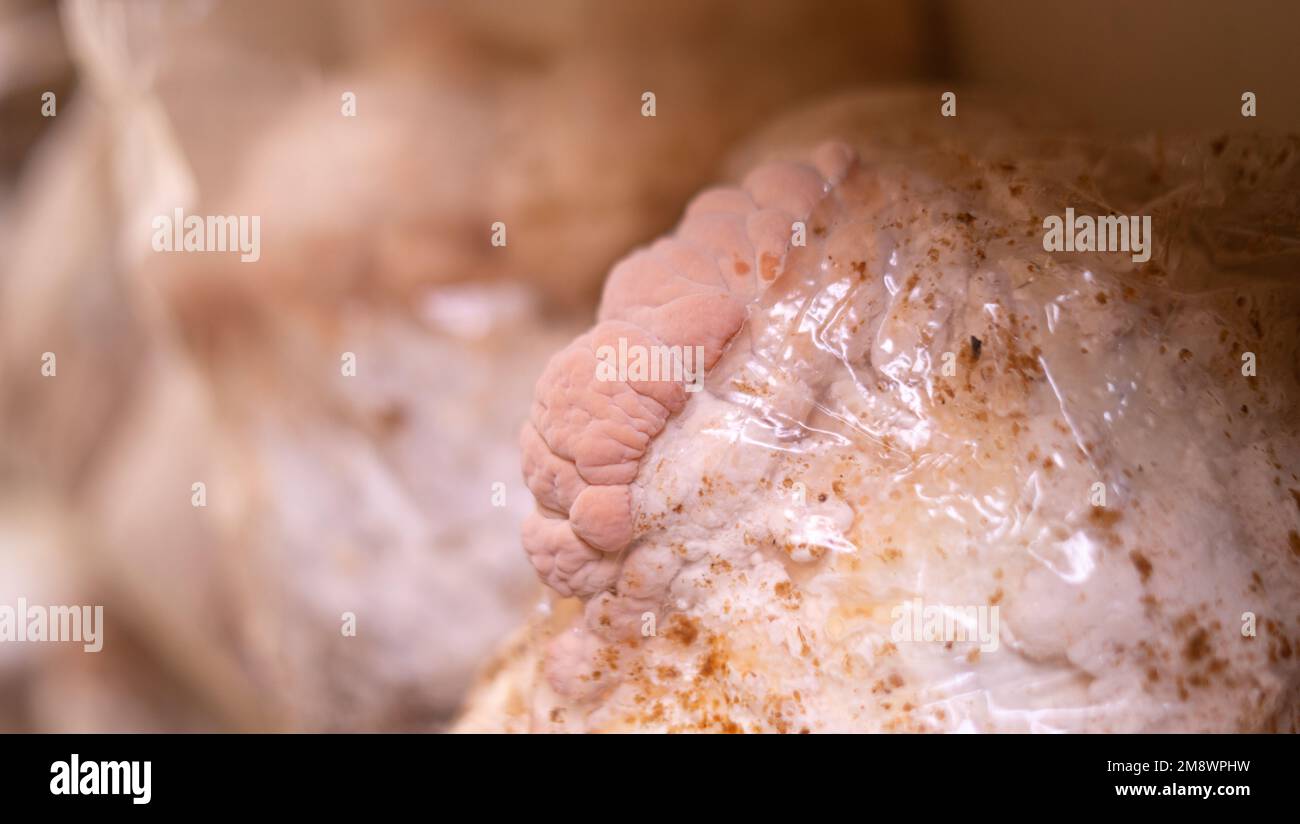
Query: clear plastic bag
pixel 944 479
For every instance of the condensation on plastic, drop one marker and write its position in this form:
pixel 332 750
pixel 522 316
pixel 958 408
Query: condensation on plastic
pixel 929 414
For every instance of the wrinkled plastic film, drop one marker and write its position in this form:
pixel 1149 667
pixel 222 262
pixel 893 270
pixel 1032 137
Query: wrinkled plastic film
pixel 944 479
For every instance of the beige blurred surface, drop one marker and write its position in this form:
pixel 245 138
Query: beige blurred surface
pixel 1131 67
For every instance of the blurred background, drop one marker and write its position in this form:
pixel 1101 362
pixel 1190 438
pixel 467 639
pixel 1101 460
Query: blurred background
pixel 393 494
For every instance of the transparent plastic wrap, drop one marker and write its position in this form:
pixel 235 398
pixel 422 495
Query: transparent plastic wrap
pixel 937 478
